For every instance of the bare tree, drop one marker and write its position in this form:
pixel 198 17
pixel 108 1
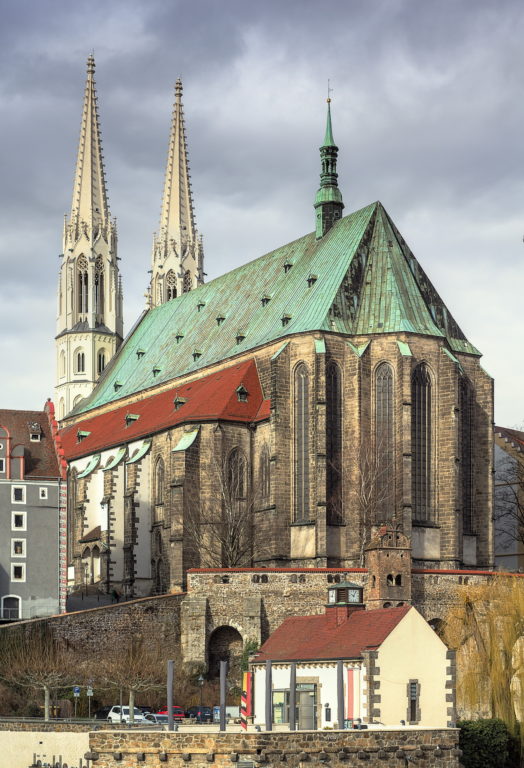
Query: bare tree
pixel 134 665
pixel 221 533
pixel 375 492
pixel 34 658
pixel 509 502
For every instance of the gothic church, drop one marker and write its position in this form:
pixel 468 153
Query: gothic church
pixel 276 416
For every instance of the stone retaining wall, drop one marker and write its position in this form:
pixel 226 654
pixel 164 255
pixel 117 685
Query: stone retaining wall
pixel 337 749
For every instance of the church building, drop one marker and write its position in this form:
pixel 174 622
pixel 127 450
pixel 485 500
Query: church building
pixel 275 416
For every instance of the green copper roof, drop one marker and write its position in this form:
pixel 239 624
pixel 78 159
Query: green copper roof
pixel 366 282
pixel 328 138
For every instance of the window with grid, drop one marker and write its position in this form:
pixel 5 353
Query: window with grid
pixel 301 404
pixel 466 454
pixel 333 443
pixel 384 443
pixel 421 435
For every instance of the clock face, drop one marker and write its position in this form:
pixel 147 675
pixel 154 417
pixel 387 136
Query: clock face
pixel 332 595
pixel 354 595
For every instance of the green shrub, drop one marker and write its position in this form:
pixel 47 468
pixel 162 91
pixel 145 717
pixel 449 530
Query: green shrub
pixel 486 744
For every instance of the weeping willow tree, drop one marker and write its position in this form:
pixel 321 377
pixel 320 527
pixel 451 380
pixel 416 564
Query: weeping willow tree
pixel 486 628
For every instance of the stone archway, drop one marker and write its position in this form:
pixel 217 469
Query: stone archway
pixel 225 644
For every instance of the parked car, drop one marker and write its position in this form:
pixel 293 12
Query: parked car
pixel 178 712
pixel 201 714
pixel 150 717
pixel 117 716
pixel 102 713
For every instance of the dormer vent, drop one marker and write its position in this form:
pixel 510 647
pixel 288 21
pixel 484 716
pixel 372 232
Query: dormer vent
pixel 179 336
pixel 140 353
pixel 240 337
pixel 220 319
pixel 285 319
pixel 242 394
pixel 265 300
pixel 131 418
pixel 117 385
pixel 311 280
pixel 178 402
pixel 287 265
pixel 156 370
pixel 196 354
pixel 81 435
pixel 200 305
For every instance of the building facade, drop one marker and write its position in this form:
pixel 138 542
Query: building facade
pixel 280 414
pixel 89 321
pixel 33 516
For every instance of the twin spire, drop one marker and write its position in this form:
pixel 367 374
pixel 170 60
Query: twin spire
pixel 89 203
pixel 328 201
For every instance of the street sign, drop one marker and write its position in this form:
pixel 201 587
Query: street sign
pixel 76 691
pixel 89 691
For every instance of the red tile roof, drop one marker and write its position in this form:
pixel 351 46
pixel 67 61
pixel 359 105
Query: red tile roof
pixel 514 436
pixel 210 398
pixel 40 458
pixel 311 638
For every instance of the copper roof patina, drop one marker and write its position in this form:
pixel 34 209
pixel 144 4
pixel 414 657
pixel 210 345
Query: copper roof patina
pixel 367 281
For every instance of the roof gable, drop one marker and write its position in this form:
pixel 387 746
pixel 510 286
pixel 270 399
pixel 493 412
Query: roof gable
pixel 40 458
pixel 303 638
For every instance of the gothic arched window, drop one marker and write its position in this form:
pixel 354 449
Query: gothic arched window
pixel 187 281
pixel 170 285
pixel 301 404
pixel 263 474
pixel 101 360
pixel 421 437
pixel 384 443
pixel 333 443
pixel 82 297
pixel 80 360
pixel 236 476
pixel 62 364
pixel 466 453
pixel 159 481
pixel 99 287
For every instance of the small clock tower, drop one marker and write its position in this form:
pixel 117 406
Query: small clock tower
pixel 343 600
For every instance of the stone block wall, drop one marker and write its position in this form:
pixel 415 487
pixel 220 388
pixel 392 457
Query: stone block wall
pixel 338 749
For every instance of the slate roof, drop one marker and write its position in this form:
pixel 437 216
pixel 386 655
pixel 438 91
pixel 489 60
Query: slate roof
pixel 40 457
pixel 210 398
pixel 360 278
pixel 312 638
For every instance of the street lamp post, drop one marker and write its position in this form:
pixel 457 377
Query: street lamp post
pixel 201 684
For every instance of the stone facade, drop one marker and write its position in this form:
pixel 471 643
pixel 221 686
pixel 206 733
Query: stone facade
pixel 193 478
pixel 340 749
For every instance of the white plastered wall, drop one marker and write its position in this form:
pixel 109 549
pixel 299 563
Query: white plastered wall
pixel 413 651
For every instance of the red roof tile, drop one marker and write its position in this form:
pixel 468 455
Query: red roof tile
pixel 514 436
pixel 210 398
pixel 309 638
pixel 40 458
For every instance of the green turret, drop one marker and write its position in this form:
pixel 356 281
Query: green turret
pixel 328 201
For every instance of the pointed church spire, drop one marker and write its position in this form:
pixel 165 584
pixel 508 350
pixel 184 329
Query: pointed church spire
pixel 176 215
pixel 89 191
pixel 328 201
pixel 177 249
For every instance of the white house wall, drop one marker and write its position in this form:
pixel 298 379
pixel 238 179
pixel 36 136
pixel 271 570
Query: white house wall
pixel 325 676
pixel 413 651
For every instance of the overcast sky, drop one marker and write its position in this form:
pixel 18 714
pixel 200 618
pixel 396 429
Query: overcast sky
pixel 428 115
